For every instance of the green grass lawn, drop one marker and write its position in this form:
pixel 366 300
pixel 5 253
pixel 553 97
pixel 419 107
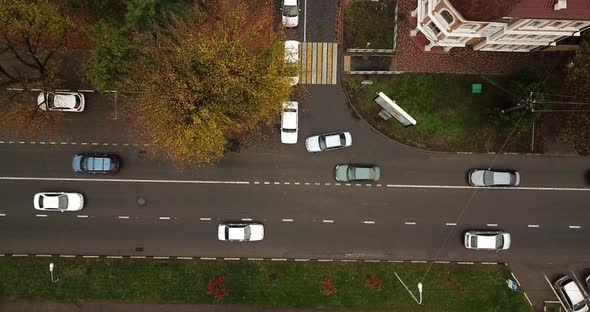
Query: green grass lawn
pixel 261 283
pixel 449 117
pixel 369 21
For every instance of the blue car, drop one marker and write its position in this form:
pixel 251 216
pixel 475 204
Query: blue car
pixel 95 163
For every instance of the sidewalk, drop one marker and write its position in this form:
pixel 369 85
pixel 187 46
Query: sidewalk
pixel 40 306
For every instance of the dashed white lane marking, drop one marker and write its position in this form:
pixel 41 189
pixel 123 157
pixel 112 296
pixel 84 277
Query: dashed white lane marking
pixel 256 182
pixel 368 222
pixel 205 219
pixel 164 218
pixel 2 215
pixel 307 183
pixel 72 143
pixel 82 216
pixel 575 227
pixel 123 217
pixel 287 220
pixel 327 184
pixel 450 223
pixel 246 219
pixel 297 183
pixel 41 215
pixel 317 183
pixel 533 225
pixel 266 182
pixel 492 224
pixel 123 180
pixel 328 221
pixel 410 223
pixel 277 183
pixel 286 183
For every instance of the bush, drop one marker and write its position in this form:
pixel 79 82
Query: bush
pixel 328 287
pixel 216 287
pixel 373 282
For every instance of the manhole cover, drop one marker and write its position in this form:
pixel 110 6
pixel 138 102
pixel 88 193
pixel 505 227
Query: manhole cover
pixel 141 201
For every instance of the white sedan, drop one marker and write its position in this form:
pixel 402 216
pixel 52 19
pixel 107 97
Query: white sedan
pixel 487 240
pixel 485 177
pixel 240 232
pixel 62 101
pixel 328 141
pixel 292 59
pixel 289 122
pixel 58 201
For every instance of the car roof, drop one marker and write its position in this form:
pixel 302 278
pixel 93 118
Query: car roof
pixel 502 177
pixel 333 140
pixel 50 201
pixel 362 173
pixel 290 120
pixel 102 163
pixel 486 241
pixel 236 232
pixel 573 291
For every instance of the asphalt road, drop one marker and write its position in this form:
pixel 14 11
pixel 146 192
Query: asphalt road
pixel 418 211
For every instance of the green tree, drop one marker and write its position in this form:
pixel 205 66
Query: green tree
pixel 32 31
pixel 108 60
pixel 211 86
pixel 148 15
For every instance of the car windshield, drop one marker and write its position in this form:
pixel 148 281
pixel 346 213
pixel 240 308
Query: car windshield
pixel 290 10
pixel 289 130
pixel 40 201
pixel 488 178
pixel 84 163
pixel 499 241
pixel 49 99
pixel 62 202
pixel 474 241
pixel 579 305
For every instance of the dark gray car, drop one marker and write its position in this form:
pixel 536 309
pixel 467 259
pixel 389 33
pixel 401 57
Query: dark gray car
pixel 349 173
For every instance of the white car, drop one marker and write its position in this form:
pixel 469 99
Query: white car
pixel 290 14
pixel 58 201
pixel 62 101
pixel 570 295
pixel 292 48
pixel 485 177
pixel 240 232
pixel 289 122
pixel 328 141
pixel 487 240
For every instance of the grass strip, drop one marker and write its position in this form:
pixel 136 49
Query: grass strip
pixel 447 287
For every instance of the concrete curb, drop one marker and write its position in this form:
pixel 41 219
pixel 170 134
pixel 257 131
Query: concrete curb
pixel 249 259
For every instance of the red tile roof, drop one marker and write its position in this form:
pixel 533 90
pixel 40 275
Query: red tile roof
pixel 484 10
pixel 576 10
pixel 494 10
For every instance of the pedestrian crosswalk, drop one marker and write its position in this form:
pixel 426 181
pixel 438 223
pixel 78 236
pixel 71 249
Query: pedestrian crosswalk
pixel 319 63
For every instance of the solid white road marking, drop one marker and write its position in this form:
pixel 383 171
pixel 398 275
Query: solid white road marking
pixel 123 180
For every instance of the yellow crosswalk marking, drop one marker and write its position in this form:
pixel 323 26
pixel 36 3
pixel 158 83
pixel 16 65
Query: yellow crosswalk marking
pixel 319 63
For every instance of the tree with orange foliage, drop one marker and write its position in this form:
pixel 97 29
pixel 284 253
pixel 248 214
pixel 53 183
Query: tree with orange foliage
pixel 217 80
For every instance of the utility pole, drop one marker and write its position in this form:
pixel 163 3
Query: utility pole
pixel 529 102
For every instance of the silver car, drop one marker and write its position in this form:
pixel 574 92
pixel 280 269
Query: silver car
pixel 489 177
pixel 487 240
pixel 350 173
pixel 570 294
pixel 328 142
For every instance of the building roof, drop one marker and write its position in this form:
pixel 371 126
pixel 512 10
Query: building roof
pixel 489 11
pixel 576 10
pixel 484 10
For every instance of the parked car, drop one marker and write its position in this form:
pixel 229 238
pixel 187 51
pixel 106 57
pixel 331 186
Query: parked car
pixel 58 201
pixel 570 294
pixel 328 141
pixel 292 48
pixel 349 173
pixel 240 232
pixel 289 122
pixel 487 240
pixel 486 177
pixel 290 14
pixel 95 163
pixel 62 101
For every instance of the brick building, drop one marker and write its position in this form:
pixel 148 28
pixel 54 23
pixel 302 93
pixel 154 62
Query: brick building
pixel 497 25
